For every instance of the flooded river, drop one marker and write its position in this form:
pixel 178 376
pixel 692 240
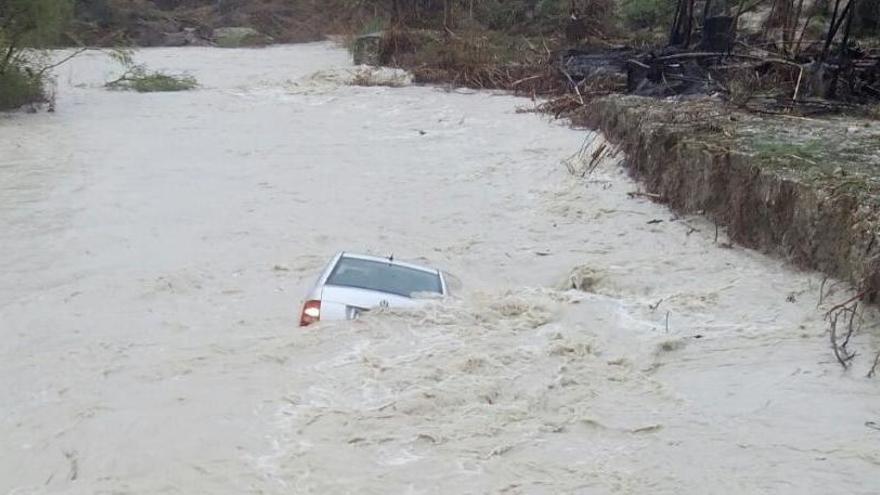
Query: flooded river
pixel 154 249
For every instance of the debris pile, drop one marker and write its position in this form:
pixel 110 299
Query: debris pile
pixel 820 76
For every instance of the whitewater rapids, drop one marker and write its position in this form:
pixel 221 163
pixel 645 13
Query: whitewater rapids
pixel 154 249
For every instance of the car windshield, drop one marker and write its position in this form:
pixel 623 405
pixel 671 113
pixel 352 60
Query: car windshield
pixel 383 277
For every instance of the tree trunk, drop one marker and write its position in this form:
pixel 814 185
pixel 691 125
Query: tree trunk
pixel 791 49
pixel 831 30
pixel 843 54
pixel 675 32
pixel 689 24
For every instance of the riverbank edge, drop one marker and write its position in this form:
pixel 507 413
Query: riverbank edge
pixel 813 225
pixel 685 156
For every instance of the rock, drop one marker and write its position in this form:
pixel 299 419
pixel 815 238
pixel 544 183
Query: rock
pixel 583 278
pixel 237 37
pixel 150 33
pixel 186 37
pixel 175 39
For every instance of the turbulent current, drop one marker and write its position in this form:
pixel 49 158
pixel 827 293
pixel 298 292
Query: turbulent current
pixel 154 250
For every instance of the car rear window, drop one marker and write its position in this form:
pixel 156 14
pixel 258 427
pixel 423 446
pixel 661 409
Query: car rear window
pixel 383 277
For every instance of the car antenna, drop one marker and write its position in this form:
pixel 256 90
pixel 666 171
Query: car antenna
pixel 391 258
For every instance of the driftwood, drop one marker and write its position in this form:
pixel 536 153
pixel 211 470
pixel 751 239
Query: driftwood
pixel 875 366
pixel 845 313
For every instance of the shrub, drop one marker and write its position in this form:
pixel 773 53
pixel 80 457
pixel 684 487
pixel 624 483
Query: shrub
pixel 26 26
pixel 19 87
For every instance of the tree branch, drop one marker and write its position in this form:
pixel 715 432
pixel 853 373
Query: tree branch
pixel 63 61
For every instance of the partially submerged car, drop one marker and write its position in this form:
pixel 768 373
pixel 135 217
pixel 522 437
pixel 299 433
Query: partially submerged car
pixel 354 283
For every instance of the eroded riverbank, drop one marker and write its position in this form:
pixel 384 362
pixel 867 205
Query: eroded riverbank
pixel 805 190
pixel 154 249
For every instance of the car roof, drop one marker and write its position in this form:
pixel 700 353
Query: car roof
pixel 390 261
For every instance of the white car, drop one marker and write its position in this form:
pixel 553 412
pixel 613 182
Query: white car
pixel 354 283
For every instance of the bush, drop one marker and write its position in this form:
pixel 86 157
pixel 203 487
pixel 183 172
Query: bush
pixel 27 26
pixel 20 87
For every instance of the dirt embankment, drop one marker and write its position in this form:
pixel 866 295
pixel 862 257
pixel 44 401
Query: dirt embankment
pixel 807 190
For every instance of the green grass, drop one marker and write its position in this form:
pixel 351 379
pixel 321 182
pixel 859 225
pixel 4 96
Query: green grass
pixel 808 152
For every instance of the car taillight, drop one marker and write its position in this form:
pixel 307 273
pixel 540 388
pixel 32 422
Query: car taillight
pixel 311 313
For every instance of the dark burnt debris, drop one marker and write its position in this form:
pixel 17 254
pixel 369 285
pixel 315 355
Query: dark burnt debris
pixel 816 80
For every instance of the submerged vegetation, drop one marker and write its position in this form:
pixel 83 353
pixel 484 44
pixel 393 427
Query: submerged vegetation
pixel 139 78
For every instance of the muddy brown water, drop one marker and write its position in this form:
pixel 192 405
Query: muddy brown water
pixel 154 249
